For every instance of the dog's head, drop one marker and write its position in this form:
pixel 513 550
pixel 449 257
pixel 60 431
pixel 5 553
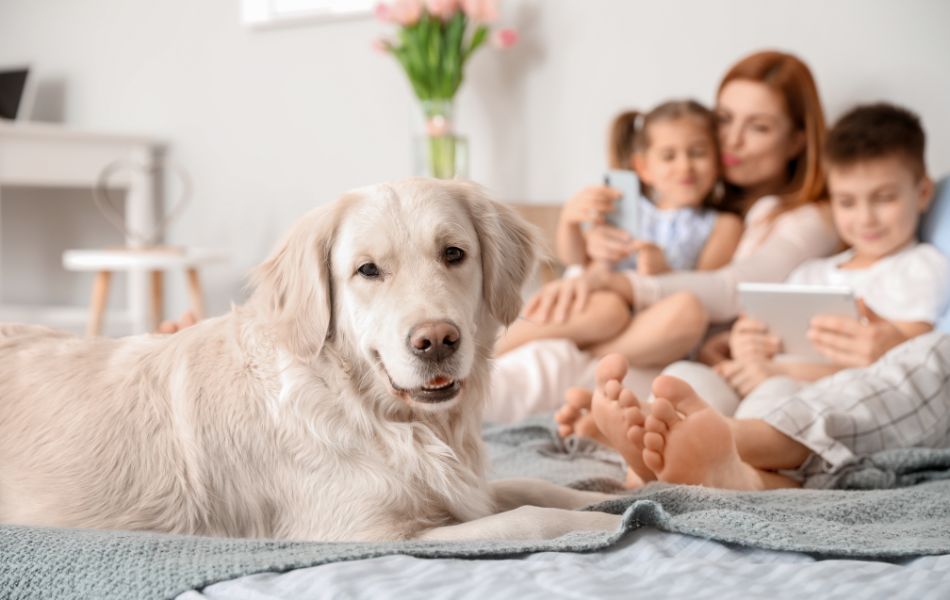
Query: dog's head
pixel 411 279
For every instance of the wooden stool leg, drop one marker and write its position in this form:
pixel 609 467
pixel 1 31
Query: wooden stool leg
pixel 195 295
pixel 97 305
pixel 158 298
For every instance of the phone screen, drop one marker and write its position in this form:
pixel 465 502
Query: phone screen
pixel 626 210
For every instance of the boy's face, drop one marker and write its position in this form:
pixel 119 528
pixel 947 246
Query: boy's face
pixel 876 205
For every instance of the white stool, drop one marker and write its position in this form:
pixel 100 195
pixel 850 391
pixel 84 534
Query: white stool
pixel 155 260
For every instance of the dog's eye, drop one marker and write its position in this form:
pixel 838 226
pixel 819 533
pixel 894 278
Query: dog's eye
pixel 454 255
pixel 368 270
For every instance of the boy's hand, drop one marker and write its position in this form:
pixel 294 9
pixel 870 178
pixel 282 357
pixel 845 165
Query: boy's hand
pixel 650 258
pixel 715 349
pixel 750 340
pixel 854 343
pixel 746 376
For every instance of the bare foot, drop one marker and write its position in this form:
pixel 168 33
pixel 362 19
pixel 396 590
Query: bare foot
pixel 614 409
pixel 575 418
pixel 687 441
pixel 187 319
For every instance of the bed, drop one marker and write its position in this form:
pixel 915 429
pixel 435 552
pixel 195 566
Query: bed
pixel 889 540
pixel 883 533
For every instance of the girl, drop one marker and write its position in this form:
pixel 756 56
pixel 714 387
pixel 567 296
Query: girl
pixel 674 151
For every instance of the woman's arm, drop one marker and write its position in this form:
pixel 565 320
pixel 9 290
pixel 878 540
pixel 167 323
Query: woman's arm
pixel 795 237
pixel 722 243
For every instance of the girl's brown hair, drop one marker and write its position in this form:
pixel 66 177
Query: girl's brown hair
pixel 630 135
pixel 791 78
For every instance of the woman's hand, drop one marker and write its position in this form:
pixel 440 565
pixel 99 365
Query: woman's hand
pixel 715 349
pixel 745 376
pixel 590 205
pixel 850 342
pixel 559 299
pixel 650 258
pixel 750 340
pixel 606 243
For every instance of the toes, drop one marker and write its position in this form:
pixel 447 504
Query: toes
pixel 627 399
pixel 654 442
pixel 662 412
pixel 611 367
pixel 576 404
pixel 587 427
pixel 655 425
pixel 612 389
pixel 633 417
pixel 635 435
pixel 579 398
pixel 653 460
pixel 566 415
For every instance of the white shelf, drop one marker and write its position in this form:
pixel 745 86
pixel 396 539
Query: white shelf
pixel 51 156
pixel 69 318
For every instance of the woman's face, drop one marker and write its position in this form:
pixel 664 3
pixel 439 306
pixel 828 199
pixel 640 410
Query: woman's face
pixel 756 134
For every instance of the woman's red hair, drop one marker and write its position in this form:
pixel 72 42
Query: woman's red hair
pixel 791 78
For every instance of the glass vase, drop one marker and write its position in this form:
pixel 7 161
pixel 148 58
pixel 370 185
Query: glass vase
pixel 438 150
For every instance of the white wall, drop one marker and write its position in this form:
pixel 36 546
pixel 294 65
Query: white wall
pixel 271 123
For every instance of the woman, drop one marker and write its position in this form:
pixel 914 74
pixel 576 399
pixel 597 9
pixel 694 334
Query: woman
pixel 771 133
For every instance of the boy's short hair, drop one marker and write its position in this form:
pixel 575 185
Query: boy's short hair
pixel 874 131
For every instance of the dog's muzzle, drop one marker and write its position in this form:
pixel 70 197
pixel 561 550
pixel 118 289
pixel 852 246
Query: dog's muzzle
pixel 440 388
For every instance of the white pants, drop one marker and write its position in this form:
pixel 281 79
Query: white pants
pixel 716 391
pixel 533 379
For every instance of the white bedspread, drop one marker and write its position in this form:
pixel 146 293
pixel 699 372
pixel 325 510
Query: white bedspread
pixel 650 564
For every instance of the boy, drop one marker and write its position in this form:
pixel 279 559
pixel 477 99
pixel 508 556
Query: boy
pixel 879 188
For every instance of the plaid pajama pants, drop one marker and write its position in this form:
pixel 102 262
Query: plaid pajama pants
pixel 901 401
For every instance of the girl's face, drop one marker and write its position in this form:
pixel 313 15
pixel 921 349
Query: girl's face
pixel 680 162
pixel 756 135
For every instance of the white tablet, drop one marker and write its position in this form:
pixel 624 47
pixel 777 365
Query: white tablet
pixel 788 311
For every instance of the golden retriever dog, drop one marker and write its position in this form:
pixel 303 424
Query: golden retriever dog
pixel 343 401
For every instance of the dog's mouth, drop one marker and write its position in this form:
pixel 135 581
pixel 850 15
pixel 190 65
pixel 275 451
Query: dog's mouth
pixel 440 388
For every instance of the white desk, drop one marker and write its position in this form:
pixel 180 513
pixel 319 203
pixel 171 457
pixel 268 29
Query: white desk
pixel 41 155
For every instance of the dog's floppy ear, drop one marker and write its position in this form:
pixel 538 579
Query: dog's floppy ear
pixel 294 287
pixel 509 249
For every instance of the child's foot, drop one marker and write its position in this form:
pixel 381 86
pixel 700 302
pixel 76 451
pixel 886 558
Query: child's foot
pixel 574 417
pixel 687 441
pixel 614 409
pixel 187 319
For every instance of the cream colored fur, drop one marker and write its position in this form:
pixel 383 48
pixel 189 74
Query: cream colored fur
pixel 280 418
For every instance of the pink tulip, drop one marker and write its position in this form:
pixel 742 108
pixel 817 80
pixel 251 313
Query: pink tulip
pixel 405 12
pixel 382 46
pixel 382 12
pixel 442 9
pixel 505 38
pixel 481 11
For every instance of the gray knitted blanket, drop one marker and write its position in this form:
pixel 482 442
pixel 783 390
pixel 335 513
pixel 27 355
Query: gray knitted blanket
pixel 858 520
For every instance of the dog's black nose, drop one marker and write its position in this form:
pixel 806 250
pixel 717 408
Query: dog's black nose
pixel 434 340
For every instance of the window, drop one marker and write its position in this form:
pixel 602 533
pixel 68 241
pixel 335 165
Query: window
pixel 275 13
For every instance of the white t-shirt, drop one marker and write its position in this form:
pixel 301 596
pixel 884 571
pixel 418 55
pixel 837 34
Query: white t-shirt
pixel 910 285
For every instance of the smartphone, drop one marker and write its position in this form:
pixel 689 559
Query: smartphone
pixel 626 211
